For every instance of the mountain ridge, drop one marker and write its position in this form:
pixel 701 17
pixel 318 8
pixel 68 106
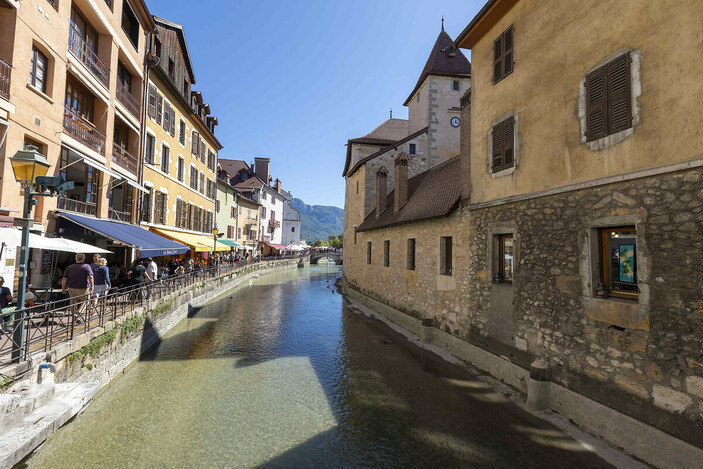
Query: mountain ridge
pixel 319 221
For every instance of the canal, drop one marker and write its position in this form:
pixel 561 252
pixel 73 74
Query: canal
pixel 280 373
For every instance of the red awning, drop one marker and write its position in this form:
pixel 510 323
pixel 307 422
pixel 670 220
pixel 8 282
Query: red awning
pixel 275 246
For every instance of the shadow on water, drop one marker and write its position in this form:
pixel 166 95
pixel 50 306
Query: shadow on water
pixel 395 405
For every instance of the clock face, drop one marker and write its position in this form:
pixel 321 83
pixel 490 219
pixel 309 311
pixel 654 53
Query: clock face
pixel 455 122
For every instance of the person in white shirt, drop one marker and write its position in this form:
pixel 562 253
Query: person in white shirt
pixel 151 269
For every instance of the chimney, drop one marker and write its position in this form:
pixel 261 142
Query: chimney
pixel 261 168
pixel 465 145
pixel 278 185
pixel 381 195
pixel 401 181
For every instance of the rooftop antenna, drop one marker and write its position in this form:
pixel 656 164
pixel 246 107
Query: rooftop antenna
pixel 391 113
pixel 442 22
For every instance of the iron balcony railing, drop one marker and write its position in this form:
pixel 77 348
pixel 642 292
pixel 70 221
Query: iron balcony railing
pixel 109 3
pixel 251 221
pixel 124 159
pixel 119 216
pixel 54 3
pixel 129 101
pixel 5 69
pixel 83 52
pixel 274 223
pixel 83 131
pixel 53 322
pixel 78 206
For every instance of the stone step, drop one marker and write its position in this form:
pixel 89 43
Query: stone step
pixel 27 431
pixel 21 402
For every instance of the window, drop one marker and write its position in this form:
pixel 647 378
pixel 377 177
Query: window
pixel 157 47
pixel 211 160
pixel 124 78
pixel 619 262
pixel 455 85
pixel 181 169
pixel 411 148
pixel 169 118
pixel 37 74
pixel 506 254
pixel 368 252
pixel 194 142
pixel 130 25
pixel 503 55
pixel 79 100
pixel 240 210
pixel 608 99
pixel 411 254
pixel 230 231
pixel 233 212
pixel 171 69
pixel 263 212
pixel 146 205
pixel 503 143
pixel 150 149
pixel 217 206
pixel 239 233
pixel 357 187
pixel 160 206
pixel 292 229
pixel 263 195
pixel 202 182
pixel 445 255
pixel 185 88
pixel 165 154
pixel 182 132
pixel 193 178
pixel 159 108
pixel 386 253
pixel 151 107
pixel 354 234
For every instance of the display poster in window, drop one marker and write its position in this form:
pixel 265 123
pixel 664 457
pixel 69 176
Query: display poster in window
pixel 46 259
pixel 627 263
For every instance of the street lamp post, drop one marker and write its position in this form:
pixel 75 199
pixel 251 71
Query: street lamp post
pixel 30 168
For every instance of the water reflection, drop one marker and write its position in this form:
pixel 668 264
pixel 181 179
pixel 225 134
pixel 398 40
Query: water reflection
pixel 282 374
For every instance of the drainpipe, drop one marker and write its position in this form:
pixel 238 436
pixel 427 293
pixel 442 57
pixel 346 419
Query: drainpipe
pixel 46 373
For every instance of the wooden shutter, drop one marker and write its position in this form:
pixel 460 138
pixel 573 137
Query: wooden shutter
pixel 202 150
pixel 619 106
pixel 498 59
pixel 173 122
pixel 167 116
pixel 159 108
pixel 152 101
pixel 508 51
pixel 508 141
pixel 194 141
pixel 498 146
pixel 596 94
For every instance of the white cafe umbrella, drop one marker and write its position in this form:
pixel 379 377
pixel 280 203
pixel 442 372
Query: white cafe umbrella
pixel 12 237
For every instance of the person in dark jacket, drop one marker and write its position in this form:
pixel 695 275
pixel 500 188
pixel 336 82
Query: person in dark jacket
pixel 101 279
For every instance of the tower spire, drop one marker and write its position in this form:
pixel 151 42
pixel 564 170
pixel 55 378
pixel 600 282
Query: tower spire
pixel 442 22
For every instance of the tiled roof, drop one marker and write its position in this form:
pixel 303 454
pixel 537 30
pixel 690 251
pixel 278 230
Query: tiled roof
pixel 431 194
pixel 384 135
pixel 232 166
pixel 251 183
pixel 383 150
pixel 448 64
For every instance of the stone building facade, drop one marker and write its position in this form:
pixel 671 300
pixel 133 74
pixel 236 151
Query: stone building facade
pixel 577 238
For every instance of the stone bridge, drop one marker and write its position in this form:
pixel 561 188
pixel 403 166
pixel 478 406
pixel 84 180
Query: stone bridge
pixel 330 256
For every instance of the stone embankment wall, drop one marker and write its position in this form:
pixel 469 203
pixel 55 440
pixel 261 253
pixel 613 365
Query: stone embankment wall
pixel 642 357
pixel 107 352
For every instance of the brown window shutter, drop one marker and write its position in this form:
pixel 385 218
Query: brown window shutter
pixel 619 106
pixel 159 108
pixel 508 51
pixel 167 116
pixel 173 122
pixel 497 59
pixel 152 101
pixel 508 140
pixel 498 146
pixel 596 94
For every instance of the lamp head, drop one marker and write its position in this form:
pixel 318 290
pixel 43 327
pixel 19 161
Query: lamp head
pixel 29 164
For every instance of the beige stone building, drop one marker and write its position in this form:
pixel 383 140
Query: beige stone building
pixel 71 84
pixel 575 237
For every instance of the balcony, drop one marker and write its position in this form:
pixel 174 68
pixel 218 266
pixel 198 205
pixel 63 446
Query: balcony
pixel 83 52
pixel 124 159
pixel 5 79
pixel 83 131
pixel 71 205
pixel 54 3
pixel 129 101
pixel 119 216
pixel 274 223
pixel 251 221
pixel 266 239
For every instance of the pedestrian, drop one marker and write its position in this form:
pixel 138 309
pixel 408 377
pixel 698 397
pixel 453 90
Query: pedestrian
pixel 139 276
pixel 96 262
pixel 101 277
pixel 77 281
pixel 5 300
pixel 180 270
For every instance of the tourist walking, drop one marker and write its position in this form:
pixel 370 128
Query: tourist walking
pixel 101 280
pixel 5 299
pixel 77 281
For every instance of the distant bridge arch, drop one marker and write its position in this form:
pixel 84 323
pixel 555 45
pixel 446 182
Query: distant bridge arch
pixel 330 256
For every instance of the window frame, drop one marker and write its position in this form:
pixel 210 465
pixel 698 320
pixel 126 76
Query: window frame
pixel 368 252
pixel 387 253
pixel 500 135
pixel 36 54
pixel 165 159
pixel 446 253
pixel 500 268
pixel 412 149
pixel 604 256
pixel 609 98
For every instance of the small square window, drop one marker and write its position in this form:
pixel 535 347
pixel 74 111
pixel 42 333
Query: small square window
pixel 455 85
pixel 411 254
pixel 411 148
pixel 618 275
pixel 387 253
pixel 368 253
pixel 445 255
pixel 292 229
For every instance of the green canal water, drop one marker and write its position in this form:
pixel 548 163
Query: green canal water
pixel 281 373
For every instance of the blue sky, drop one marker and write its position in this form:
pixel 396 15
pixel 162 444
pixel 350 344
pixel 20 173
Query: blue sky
pixel 294 80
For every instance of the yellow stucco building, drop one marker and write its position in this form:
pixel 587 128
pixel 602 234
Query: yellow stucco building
pixel 180 148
